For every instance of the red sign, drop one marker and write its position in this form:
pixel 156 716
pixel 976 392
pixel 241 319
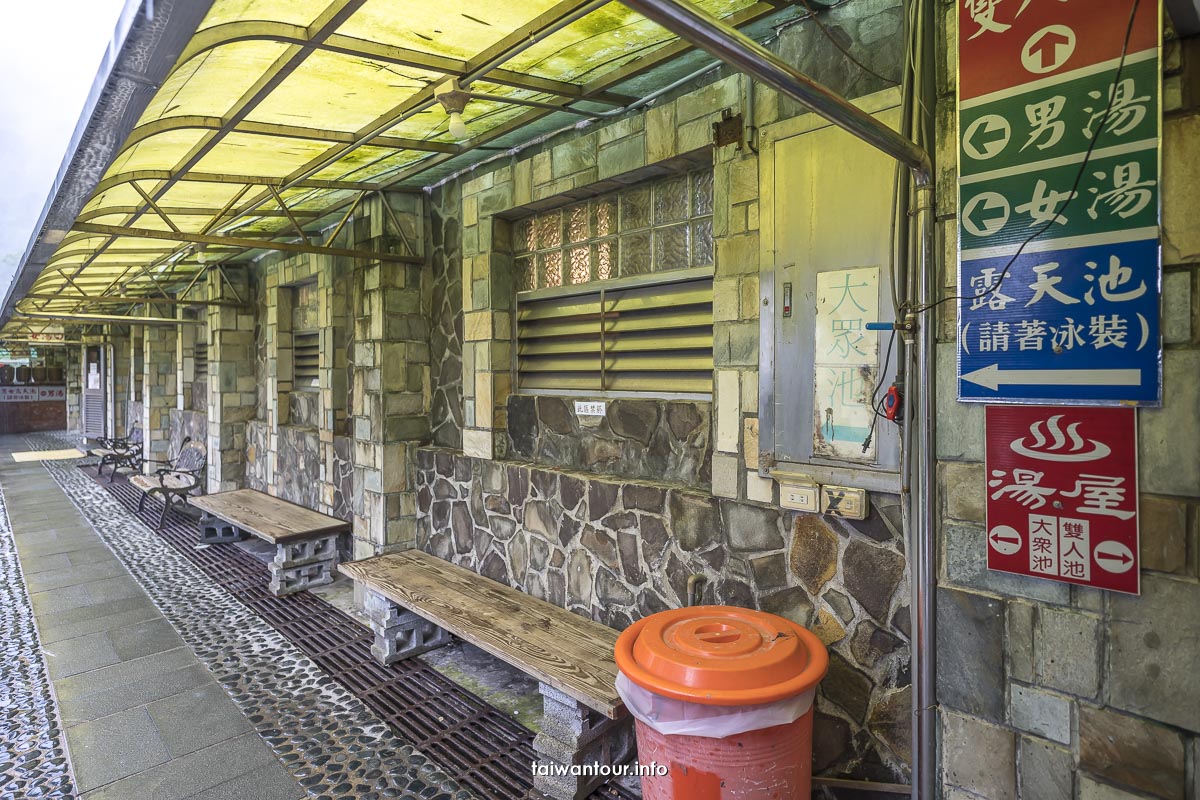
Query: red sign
pixel 1006 43
pixel 1062 499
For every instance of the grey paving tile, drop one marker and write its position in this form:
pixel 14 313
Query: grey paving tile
pixel 52 619
pixel 144 639
pixel 81 654
pixel 76 709
pixel 197 718
pixel 126 672
pixel 139 613
pixel 194 773
pixel 36 564
pixel 114 747
pixel 91 555
pixel 30 548
pixel 72 575
pixel 85 594
pixel 271 782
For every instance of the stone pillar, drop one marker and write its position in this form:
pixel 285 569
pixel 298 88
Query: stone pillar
pixel 118 380
pixel 232 384
pixel 74 381
pixel 333 429
pixel 390 391
pixel 158 389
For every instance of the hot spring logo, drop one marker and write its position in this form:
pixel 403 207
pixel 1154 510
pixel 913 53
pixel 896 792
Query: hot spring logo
pixel 1060 446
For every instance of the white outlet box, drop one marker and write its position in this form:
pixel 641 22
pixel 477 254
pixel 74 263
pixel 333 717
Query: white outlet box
pixel 799 497
pixel 844 501
pixel 591 408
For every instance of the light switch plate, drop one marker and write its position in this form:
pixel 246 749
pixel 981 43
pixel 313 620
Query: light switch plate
pixel 844 501
pixel 799 497
pixel 591 408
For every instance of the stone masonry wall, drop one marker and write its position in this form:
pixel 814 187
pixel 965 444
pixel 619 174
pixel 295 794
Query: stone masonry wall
pixel 1053 692
pixel 655 440
pixel 616 550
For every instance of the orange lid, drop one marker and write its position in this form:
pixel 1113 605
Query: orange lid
pixel 721 656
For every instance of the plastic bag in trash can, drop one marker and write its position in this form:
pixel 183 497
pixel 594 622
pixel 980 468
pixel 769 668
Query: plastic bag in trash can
pixel 679 717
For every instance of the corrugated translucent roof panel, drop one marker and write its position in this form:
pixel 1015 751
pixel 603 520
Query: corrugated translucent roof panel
pixel 317 101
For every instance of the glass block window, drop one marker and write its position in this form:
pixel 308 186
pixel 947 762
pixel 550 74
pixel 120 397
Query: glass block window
pixel 658 226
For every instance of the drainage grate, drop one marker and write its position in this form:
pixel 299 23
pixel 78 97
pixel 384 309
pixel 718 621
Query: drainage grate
pixel 478 746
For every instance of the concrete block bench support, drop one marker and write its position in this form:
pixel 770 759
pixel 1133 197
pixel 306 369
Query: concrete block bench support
pixel 572 733
pixel 306 542
pixel 301 565
pixel 417 602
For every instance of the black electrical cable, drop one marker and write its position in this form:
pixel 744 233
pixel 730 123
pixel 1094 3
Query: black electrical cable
pixel 995 287
pixel 845 51
pixel 877 401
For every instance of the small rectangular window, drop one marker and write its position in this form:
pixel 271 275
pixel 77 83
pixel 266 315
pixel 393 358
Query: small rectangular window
pixel 306 360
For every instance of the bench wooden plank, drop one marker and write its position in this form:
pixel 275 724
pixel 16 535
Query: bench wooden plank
pixel 268 517
pixel 559 648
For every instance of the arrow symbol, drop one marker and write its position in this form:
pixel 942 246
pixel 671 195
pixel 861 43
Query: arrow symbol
pixel 1124 558
pixel 998 539
pixel 1048 49
pixel 992 377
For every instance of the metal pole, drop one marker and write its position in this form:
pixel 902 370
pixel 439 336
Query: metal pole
pixel 746 55
pixel 22 315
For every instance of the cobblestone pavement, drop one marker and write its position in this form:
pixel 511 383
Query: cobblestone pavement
pixel 328 740
pixel 33 760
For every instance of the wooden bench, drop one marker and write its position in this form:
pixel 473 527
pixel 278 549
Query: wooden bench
pixel 306 541
pixel 415 601
pixel 177 480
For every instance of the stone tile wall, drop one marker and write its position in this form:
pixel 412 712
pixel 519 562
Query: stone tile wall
pixel 444 235
pixel 655 440
pixel 184 424
pixel 1052 692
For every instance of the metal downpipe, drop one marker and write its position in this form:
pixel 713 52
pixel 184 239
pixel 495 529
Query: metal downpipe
pixel 746 55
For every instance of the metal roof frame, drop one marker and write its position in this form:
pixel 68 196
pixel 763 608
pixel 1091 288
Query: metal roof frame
pixel 106 254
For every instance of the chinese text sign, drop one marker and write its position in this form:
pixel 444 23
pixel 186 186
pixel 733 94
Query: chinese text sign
pixel 1062 499
pixel 846 365
pixel 1076 316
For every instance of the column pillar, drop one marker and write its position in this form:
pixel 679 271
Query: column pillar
pixel 232 384
pixel 118 377
pixel 158 389
pixel 390 378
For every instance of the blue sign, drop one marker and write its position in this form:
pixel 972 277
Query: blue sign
pixel 1060 137
pixel 1068 324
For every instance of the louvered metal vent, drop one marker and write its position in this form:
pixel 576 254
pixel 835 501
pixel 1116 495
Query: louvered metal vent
pixel 306 360
pixel 200 359
pixel 654 338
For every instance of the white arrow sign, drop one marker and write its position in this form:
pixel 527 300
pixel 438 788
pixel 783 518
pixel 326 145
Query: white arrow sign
pixel 992 377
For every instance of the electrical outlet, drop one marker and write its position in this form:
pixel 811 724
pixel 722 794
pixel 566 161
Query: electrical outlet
pixel 799 497
pixel 844 501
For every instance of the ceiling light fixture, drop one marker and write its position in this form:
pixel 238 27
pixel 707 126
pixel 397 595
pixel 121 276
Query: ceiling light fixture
pixel 454 100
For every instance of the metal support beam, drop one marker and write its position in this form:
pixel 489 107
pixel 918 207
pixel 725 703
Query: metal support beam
pixel 748 56
pixel 247 244
pixel 116 298
pixel 24 316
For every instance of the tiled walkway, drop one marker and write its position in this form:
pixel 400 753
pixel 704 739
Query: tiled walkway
pixel 143 718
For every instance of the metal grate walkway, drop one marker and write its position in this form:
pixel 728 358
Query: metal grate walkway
pixel 478 746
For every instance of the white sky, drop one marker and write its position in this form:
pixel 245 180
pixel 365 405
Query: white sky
pixel 49 53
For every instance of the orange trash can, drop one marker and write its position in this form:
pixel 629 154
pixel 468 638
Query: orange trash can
pixel 722 698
